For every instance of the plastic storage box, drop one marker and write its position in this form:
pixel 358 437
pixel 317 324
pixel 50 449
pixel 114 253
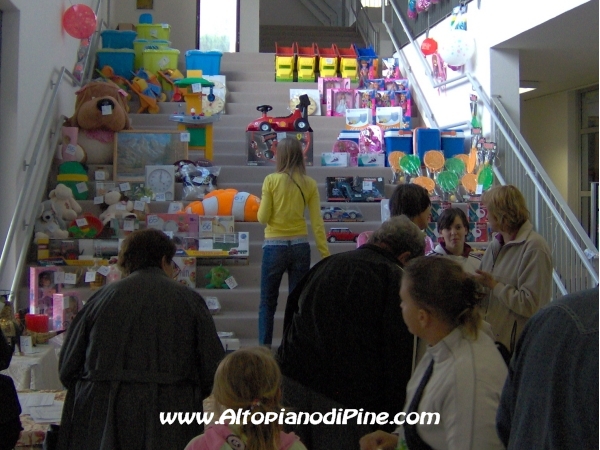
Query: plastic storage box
pixel 121 60
pixel 397 141
pixel 348 62
pixel 328 61
pixel 117 38
pixel 367 55
pixel 453 143
pixel 349 135
pixel 208 62
pixel 154 60
pixel 307 63
pixel 285 62
pixel 426 139
pixel 140 44
pixel 153 31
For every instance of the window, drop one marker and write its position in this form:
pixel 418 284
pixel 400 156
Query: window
pixel 219 25
pixel 588 101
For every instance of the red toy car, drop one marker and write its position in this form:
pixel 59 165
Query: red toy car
pixel 341 234
pixel 297 121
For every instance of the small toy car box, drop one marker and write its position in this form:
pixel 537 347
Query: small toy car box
pixel 338 214
pixel 371 159
pixel 355 189
pixel 262 146
pixel 338 159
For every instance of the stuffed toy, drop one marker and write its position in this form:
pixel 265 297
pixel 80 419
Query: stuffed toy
pixel 227 202
pixel 10 326
pixel 100 109
pixel 72 174
pixel 47 224
pixel 117 207
pixel 217 277
pixel 64 205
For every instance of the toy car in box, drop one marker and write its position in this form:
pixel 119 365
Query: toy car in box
pixel 337 214
pixel 262 146
pixel 355 189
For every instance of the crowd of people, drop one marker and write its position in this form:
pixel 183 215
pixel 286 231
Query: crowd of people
pixel 396 325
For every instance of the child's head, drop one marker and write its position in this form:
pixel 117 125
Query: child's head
pixel 290 158
pixel 250 379
pixel 413 201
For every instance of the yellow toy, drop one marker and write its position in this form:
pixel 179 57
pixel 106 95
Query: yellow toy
pixel 227 202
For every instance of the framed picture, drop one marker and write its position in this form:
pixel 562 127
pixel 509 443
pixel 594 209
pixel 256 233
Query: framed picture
pixel 135 149
pixel 144 4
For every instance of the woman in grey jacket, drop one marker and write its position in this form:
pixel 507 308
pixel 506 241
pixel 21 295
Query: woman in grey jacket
pixel 516 266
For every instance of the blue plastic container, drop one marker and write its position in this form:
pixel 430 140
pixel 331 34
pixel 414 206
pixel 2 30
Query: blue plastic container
pixel 118 38
pixel 397 141
pixel 426 139
pixel 453 143
pixel 121 60
pixel 208 62
pixel 145 18
pixel 348 135
pixel 365 54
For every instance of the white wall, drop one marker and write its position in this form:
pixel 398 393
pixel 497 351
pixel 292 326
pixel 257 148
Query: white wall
pixel 249 26
pixel 34 48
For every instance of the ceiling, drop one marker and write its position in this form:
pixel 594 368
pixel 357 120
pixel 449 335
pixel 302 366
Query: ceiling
pixel 562 53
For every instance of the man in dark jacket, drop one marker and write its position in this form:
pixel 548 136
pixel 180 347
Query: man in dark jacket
pixel 10 424
pixel 345 344
pixel 140 346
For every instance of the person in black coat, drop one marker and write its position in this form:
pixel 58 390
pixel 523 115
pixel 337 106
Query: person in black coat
pixel 10 423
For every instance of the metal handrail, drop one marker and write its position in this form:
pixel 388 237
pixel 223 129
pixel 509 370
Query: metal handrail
pixel 328 14
pixel 357 9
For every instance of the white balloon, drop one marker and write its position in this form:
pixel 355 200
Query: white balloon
pixel 456 47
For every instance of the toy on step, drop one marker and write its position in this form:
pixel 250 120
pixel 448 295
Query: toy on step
pixel 217 277
pixel 64 205
pixel 167 79
pixel 10 326
pixel 108 73
pixel 47 224
pixel 148 103
pixel 227 202
pixel 297 121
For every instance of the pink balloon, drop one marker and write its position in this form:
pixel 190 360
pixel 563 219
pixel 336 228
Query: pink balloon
pixel 79 21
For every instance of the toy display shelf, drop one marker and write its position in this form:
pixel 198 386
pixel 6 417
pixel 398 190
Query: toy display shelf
pixel 328 61
pixel 307 63
pixel 348 62
pixel 285 62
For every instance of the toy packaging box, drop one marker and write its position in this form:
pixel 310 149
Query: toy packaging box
pixel 122 227
pixel 355 189
pixel 341 214
pixel 338 159
pixel 323 84
pixel 185 270
pixel 403 100
pixel 67 249
pixel 262 146
pixel 478 232
pixel 438 207
pixel 371 160
pixel 358 119
pixel 65 307
pixel 432 232
pixel 477 213
pixel 384 99
pixel 42 286
pixel 364 98
pixel 390 117
pixel 314 109
pixel 231 244
pixel 211 225
pixel 339 101
pixel 177 226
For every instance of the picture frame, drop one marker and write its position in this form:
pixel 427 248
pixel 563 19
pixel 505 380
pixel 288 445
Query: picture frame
pixel 135 149
pixel 144 4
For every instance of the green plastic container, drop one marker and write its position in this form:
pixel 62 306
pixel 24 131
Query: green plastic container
pixel 154 60
pixel 140 44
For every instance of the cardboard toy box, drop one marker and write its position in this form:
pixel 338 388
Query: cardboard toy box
pixel 42 286
pixel 438 207
pixel 371 160
pixel 179 227
pixel 211 225
pixel 185 270
pixel 355 189
pixel 478 232
pixel 325 83
pixel 337 159
pixel 358 119
pixel 339 101
pixel 233 244
pixel 262 146
pixel 478 213
pixel 65 307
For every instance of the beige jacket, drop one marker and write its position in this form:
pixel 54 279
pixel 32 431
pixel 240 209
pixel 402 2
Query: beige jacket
pixel 523 270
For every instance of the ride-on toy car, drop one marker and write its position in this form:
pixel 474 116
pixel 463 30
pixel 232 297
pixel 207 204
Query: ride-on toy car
pixel 296 121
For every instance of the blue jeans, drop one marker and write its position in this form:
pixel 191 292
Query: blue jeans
pixel 279 256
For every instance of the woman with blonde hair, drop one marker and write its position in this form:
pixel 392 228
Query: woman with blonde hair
pixel 285 195
pixel 462 373
pixel 247 381
pixel 516 266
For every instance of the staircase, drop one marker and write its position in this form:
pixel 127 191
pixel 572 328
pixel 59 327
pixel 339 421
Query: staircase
pixel 323 36
pixel 249 84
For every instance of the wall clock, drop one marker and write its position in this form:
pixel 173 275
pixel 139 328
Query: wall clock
pixel 161 180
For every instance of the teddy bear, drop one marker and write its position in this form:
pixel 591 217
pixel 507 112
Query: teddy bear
pixel 64 205
pixel 217 277
pixel 117 207
pixel 47 224
pixel 101 109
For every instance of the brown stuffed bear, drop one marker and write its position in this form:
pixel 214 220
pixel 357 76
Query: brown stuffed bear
pixel 100 109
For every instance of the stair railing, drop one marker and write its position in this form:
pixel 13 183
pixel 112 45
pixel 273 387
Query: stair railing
pixel 572 249
pixel 322 11
pixel 37 169
pixel 364 26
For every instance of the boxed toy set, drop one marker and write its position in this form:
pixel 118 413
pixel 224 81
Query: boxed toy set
pixel 231 244
pixel 339 101
pixel 42 286
pixel 262 146
pixel 65 307
pixel 185 270
pixel 337 159
pixel 355 189
pixel 326 83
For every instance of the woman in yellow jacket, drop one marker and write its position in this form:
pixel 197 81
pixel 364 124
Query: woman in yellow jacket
pixel 285 195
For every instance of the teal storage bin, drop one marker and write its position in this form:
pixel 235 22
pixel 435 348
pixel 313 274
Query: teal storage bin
pixel 121 61
pixel 208 62
pixel 118 38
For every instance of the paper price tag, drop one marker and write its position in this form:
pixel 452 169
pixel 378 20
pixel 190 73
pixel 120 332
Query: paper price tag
pixel 205 244
pixel 165 25
pixel 196 87
pixel 231 282
pixel 70 278
pixel 59 277
pixel 145 199
pixel 206 226
pixel 121 207
pixel 128 225
pixel 185 137
pixel 81 222
pixel 90 276
pixel 124 187
pixel 52 227
pixel 160 197
pixel 100 175
pixel 198 180
pixel 169 234
pixel 152 219
pixel 139 205
pixel 104 270
pixel 175 207
pixel 71 149
pixel 81 187
pixel 367 185
pixel 479 189
pixel 99 200
pixel 106 110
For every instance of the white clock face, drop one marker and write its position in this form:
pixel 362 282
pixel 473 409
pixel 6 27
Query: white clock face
pixel 160 181
pixel 214 107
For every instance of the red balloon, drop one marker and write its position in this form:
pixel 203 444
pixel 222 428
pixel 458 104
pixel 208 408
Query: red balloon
pixel 429 46
pixel 79 21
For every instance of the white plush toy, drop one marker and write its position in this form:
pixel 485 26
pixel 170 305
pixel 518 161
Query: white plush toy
pixel 117 208
pixel 47 224
pixel 64 205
